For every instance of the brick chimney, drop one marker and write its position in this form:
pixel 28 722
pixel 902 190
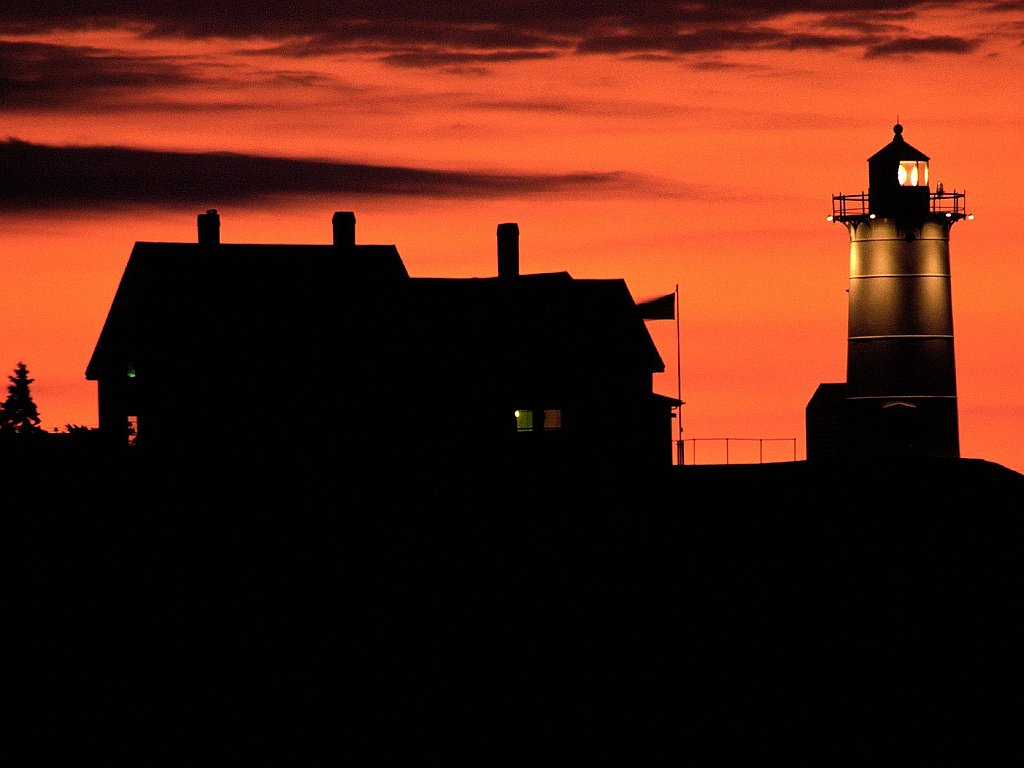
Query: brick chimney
pixel 508 250
pixel 344 229
pixel 209 227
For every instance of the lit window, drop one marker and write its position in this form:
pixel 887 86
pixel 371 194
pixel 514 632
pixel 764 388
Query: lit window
pixel 552 418
pixel 524 420
pixel 133 430
pixel 528 420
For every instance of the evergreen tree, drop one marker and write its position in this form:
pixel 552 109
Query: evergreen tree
pixel 18 413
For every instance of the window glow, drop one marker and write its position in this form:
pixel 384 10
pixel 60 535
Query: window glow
pixel 552 418
pixel 913 173
pixel 548 419
pixel 524 420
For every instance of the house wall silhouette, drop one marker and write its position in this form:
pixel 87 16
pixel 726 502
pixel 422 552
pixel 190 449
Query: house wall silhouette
pixel 299 352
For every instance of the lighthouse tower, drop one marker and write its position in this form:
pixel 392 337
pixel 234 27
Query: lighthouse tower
pixel 900 397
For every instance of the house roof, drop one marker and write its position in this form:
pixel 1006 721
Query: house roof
pixel 547 321
pixel 189 301
pixel 173 292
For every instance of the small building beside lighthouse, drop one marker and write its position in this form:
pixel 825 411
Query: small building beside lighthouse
pixel 899 397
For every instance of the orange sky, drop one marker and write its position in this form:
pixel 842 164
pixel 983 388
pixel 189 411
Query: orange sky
pixel 695 145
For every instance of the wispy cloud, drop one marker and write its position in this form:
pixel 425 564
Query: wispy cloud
pixel 918 45
pixel 446 34
pixel 447 59
pixel 39 75
pixel 43 176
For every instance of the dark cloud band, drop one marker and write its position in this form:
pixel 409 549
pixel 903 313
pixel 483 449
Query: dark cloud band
pixel 42 176
pixel 433 34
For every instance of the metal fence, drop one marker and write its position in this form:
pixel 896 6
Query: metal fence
pixel 735 450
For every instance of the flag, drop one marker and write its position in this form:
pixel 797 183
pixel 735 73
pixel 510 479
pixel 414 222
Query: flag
pixel 660 308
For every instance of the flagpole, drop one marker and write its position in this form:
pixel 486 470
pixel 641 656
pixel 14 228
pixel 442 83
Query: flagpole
pixel 679 375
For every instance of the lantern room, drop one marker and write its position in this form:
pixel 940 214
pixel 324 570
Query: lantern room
pixel 898 179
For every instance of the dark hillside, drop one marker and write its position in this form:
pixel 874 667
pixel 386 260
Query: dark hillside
pixel 770 613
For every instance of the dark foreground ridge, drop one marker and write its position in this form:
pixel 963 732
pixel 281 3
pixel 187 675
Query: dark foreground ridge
pixel 770 614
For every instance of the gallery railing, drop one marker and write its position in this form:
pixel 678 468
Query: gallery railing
pixel 953 204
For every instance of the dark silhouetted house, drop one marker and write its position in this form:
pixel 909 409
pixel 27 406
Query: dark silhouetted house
pixel 304 351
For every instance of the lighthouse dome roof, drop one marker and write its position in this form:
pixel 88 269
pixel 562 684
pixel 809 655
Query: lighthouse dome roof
pixel 897 149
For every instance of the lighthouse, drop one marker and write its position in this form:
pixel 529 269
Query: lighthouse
pixel 900 397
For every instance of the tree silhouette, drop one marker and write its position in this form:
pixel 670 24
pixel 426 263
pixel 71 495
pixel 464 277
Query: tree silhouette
pixel 18 413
